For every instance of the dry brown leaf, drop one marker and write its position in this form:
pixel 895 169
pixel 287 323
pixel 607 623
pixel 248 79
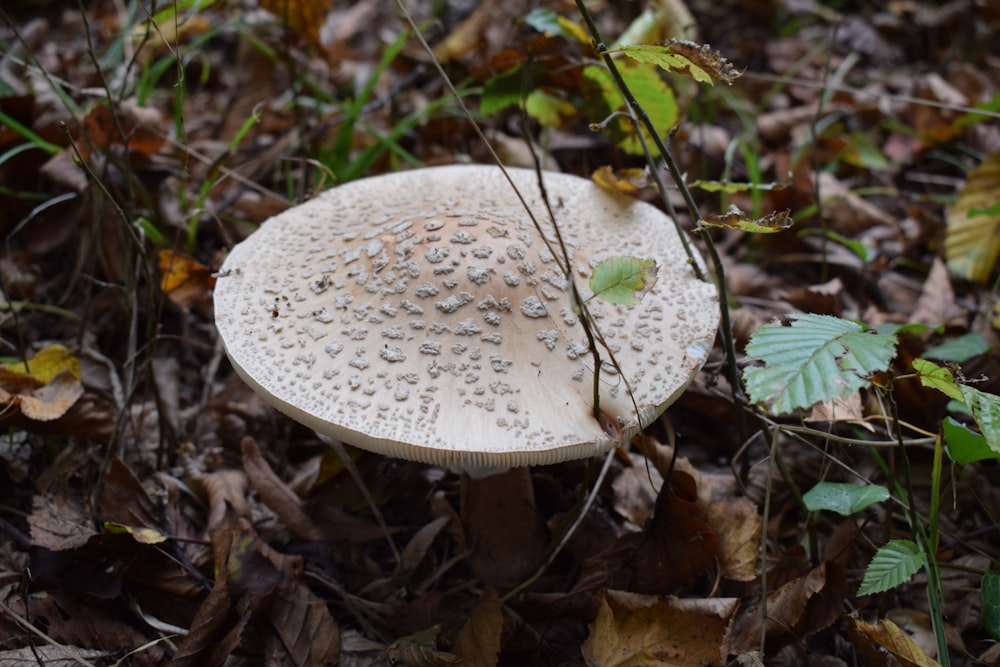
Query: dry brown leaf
pixel 872 640
pixel 420 650
pixel 632 629
pixel 737 524
pixel 225 489
pixel 635 490
pixel 847 212
pixel 22 394
pixel 627 181
pixel 302 17
pixel 276 494
pixel 185 281
pixel 937 305
pixel 129 127
pixel 478 643
pixel 303 624
pixel 798 609
pixel 843 409
pixel 679 544
pixel 415 550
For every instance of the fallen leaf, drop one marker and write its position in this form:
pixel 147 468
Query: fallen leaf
pixel 632 629
pixel 972 241
pixel 478 642
pixel 798 609
pixel 678 544
pixel 872 640
pixel 185 281
pixel 627 181
pixel 303 17
pixel 49 402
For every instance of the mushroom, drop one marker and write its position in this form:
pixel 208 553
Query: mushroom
pixel 423 315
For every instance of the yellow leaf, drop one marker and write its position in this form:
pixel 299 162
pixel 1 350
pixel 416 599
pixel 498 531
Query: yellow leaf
pixel 47 364
pixel 972 242
pixel 141 535
pixel 627 181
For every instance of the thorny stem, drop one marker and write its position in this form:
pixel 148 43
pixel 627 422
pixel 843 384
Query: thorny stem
pixel 640 114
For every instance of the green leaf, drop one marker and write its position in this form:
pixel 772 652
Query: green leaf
pixel 818 358
pixel 729 187
pixel 665 58
pixel 844 499
pixel 141 535
pixel 623 280
pixel 548 109
pixel 989 591
pixel 965 445
pixel 775 221
pixel 508 88
pixel 602 99
pixel 986 411
pixel 937 377
pixel 960 349
pixel 698 61
pixel 891 566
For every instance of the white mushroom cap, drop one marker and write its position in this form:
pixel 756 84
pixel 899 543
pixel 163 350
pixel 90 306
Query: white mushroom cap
pixel 420 315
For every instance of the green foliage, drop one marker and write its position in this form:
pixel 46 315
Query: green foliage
pixel 937 377
pixel 959 349
pixel 986 411
pixel 892 565
pixel 775 221
pixel 699 62
pixel 818 358
pixel 989 591
pixel 844 499
pixel 623 280
pixel 603 101
pixel 965 445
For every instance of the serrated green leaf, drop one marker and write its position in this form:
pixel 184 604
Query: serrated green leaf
pixel 602 99
pixel 937 377
pixel 818 358
pixel 844 499
pixel 965 445
pixel 960 349
pixel 989 591
pixel 623 280
pixel 892 565
pixel 986 411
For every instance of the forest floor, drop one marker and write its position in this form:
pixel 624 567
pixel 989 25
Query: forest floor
pixel 155 510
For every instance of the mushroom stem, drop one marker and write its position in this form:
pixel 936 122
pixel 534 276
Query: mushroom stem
pixel 506 533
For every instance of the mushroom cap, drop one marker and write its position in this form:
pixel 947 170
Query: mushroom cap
pixel 421 315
